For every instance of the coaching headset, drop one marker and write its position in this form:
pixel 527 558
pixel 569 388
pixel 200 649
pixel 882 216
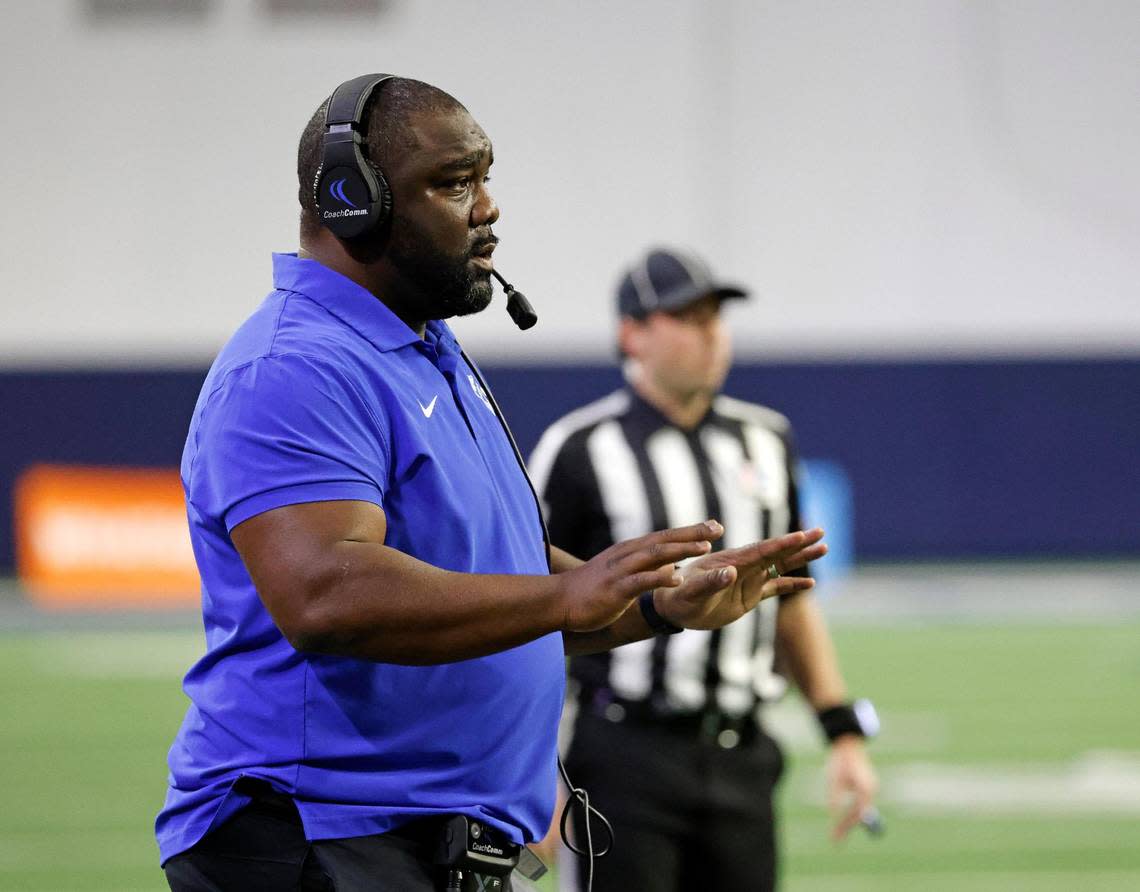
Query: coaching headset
pixel 350 192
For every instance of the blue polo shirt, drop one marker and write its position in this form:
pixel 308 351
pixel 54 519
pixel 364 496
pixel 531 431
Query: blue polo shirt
pixel 325 394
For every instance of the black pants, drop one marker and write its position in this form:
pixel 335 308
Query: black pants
pixel 263 849
pixel 687 814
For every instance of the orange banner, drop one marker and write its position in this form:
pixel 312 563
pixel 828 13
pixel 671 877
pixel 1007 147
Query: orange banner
pixel 104 537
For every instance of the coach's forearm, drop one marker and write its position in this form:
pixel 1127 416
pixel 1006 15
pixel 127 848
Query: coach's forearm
pixel 377 603
pixel 332 586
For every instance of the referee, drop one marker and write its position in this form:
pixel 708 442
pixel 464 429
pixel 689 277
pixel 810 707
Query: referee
pixel 667 738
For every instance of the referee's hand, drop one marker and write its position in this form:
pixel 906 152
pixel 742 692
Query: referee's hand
pixel 720 588
pixel 851 786
pixel 596 593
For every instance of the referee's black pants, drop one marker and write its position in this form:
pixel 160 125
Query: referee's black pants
pixel 263 849
pixel 687 813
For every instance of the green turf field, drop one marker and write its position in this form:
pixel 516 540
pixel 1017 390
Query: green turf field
pixel 1010 760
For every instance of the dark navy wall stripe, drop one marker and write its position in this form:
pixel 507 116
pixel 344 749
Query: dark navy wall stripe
pixel 1045 449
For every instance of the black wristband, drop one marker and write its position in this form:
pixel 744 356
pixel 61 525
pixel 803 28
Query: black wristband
pixel 653 619
pixel 857 718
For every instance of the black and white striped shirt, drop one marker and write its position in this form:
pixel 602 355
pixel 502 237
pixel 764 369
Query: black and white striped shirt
pixel 618 468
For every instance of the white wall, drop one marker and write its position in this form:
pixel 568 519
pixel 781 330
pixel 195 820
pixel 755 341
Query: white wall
pixel 894 176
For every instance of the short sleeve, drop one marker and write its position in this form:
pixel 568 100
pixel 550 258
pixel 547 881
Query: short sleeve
pixel 285 430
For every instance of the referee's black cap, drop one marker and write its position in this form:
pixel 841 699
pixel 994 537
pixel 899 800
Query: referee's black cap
pixel 667 279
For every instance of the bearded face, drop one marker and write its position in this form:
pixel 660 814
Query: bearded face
pixel 452 282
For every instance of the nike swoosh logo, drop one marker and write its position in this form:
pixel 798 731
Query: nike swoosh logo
pixel 429 408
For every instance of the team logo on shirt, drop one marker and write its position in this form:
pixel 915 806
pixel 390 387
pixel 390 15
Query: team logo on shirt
pixel 479 391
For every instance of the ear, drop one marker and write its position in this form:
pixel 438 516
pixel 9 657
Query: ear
pixel 631 337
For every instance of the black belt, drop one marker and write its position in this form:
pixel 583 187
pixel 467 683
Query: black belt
pixel 425 831
pixel 710 725
pixel 427 835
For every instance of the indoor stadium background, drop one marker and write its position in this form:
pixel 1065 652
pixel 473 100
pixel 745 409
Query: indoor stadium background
pixel 937 205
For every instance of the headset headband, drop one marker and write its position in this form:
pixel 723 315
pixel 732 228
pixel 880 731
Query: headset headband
pixel 346 105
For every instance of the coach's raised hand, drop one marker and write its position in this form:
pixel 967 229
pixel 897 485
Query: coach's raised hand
pixel 596 593
pixel 722 587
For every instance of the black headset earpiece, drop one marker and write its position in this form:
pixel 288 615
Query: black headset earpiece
pixel 350 192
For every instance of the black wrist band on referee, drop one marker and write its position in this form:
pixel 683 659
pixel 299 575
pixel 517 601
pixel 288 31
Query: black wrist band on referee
pixel 857 718
pixel 653 619
pixel 839 720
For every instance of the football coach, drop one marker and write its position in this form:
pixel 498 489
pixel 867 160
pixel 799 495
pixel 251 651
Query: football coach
pixel 386 624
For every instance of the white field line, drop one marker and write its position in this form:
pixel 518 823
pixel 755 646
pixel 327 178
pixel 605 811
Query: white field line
pixel 1103 782
pixel 945 878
